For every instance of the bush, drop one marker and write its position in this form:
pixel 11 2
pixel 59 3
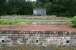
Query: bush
pixel 74 21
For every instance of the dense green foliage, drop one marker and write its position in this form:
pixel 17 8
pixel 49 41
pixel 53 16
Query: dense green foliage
pixel 54 7
pixel 15 7
pixel 62 7
pixel 74 21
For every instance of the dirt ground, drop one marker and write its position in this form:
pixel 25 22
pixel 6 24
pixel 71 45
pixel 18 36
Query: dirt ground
pixel 34 27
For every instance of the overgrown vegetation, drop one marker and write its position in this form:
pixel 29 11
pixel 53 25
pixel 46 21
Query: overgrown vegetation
pixel 15 21
pixel 74 21
pixel 18 7
pixel 54 7
pixel 62 7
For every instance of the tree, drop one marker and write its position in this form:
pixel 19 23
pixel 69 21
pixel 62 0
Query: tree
pixel 2 6
pixel 27 9
pixel 62 7
pixel 19 7
pixel 42 3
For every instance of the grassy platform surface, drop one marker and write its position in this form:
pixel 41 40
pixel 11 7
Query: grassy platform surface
pixel 15 21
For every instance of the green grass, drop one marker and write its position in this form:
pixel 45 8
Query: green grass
pixel 15 21
pixel 31 20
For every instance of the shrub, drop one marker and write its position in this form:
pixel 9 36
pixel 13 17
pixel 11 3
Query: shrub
pixel 74 21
